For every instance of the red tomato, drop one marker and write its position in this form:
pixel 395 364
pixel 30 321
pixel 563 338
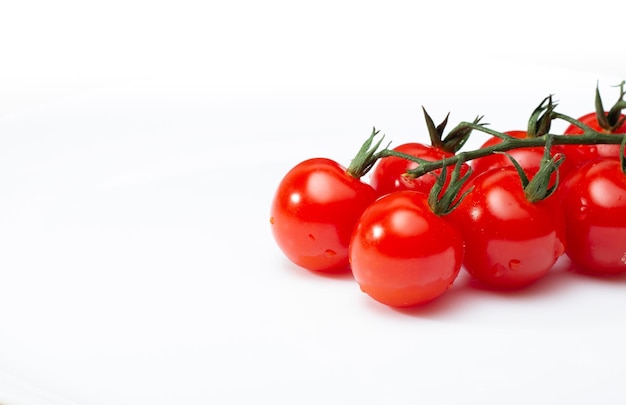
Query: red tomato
pixel 389 175
pixel 509 241
pixel 529 158
pixel 402 254
pixel 314 212
pixel 594 202
pixel 578 154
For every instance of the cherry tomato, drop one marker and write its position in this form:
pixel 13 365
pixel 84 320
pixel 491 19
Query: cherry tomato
pixel 314 211
pixel 594 202
pixel 402 254
pixel 389 174
pixel 509 241
pixel 578 154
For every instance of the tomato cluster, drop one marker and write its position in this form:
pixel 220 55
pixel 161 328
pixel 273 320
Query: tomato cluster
pixel 505 218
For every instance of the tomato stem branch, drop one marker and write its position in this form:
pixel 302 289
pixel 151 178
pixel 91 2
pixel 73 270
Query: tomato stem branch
pixel 588 137
pixel 366 157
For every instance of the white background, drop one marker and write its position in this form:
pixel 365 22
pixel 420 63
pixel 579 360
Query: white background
pixel 141 142
pixel 52 50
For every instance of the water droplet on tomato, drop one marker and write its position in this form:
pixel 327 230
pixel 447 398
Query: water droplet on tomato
pixel 330 253
pixel 272 220
pixel 584 208
pixel 311 237
pixel 498 270
pixel 624 258
pixel 515 264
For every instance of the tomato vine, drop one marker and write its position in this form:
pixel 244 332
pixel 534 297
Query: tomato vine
pixel 588 137
pixel 405 236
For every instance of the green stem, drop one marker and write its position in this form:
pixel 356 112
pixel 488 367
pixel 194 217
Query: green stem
pixel 588 137
pixel 366 157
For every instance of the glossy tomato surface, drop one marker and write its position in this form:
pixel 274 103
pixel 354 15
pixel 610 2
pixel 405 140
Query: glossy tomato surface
pixel 594 202
pixel 402 254
pixel 389 174
pixel 509 241
pixel 578 154
pixel 314 211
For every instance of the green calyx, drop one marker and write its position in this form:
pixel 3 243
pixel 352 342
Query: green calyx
pixel 452 142
pixel 541 119
pixel 613 119
pixel 538 188
pixel 366 157
pixel 444 199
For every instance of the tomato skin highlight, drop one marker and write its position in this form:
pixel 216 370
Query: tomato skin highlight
pixel 402 254
pixel 314 211
pixel 388 175
pixel 509 242
pixel 594 202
